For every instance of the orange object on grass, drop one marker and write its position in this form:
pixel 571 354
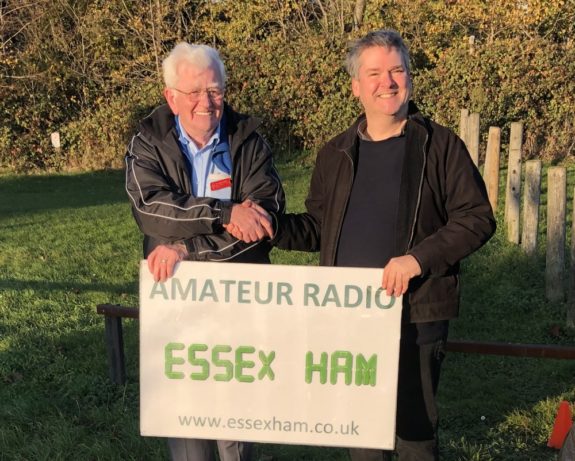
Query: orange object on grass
pixel 561 426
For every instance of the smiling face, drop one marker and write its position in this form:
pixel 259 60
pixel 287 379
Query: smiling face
pixel 198 118
pixel 382 84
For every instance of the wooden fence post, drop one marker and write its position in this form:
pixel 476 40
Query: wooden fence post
pixel 491 168
pixel 531 199
pixel 555 260
pixel 471 41
pixel 513 191
pixel 463 118
pixel 473 137
pixel 571 303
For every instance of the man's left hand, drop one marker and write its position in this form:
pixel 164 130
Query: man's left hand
pixel 397 274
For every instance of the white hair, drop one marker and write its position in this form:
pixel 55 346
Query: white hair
pixel 200 56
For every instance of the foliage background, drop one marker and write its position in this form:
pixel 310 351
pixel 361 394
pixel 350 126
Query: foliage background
pixel 90 68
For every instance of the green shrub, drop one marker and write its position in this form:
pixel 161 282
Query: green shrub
pixel 90 69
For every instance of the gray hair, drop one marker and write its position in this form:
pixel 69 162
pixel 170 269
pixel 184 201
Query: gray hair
pixel 386 38
pixel 201 56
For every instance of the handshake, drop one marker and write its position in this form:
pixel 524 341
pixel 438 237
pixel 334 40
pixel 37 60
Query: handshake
pixel 250 222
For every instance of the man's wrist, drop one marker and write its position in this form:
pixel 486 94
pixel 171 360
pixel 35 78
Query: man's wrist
pixel 418 263
pixel 226 212
pixel 181 249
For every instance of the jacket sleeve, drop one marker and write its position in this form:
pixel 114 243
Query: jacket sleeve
pixel 302 231
pixel 162 210
pixel 259 182
pixel 469 220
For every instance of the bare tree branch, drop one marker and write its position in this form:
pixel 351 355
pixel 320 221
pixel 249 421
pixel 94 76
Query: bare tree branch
pixel 358 13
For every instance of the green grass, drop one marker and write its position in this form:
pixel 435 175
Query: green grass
pixel 68 242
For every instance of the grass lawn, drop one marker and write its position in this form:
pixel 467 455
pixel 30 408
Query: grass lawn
pixel 68 242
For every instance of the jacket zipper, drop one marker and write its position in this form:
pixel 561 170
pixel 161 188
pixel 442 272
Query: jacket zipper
pixel 340 224
pixel 417 205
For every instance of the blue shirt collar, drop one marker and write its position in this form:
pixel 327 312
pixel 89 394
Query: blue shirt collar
pixel 188 142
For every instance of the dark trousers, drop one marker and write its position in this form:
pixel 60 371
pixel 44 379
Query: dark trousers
pixel 204 450
pixel 417 419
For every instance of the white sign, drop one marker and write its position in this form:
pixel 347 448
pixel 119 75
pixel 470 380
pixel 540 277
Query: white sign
pixel 269 353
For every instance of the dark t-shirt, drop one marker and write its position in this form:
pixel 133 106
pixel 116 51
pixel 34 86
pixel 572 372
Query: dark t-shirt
pixel 368 232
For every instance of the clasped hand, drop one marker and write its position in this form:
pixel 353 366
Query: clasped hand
pixel 249 222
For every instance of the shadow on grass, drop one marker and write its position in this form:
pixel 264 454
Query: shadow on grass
pixel 58 402
pixel 75 287
pixel 24 194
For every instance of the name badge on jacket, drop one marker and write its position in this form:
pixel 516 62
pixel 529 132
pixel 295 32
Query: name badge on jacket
pixel 220 186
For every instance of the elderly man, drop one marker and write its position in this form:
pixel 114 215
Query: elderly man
pixel 398 191
pixel 188 168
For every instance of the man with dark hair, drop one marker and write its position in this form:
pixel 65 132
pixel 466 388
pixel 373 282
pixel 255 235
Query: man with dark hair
pixel 398 191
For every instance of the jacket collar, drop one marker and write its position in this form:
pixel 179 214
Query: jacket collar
pixel 160 127
pixel 239 128
pixel 348 141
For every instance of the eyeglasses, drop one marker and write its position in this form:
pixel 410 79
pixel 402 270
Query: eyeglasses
pixel 215 94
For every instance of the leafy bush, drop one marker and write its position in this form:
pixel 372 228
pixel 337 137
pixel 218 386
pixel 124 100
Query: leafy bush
pixel 90 68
